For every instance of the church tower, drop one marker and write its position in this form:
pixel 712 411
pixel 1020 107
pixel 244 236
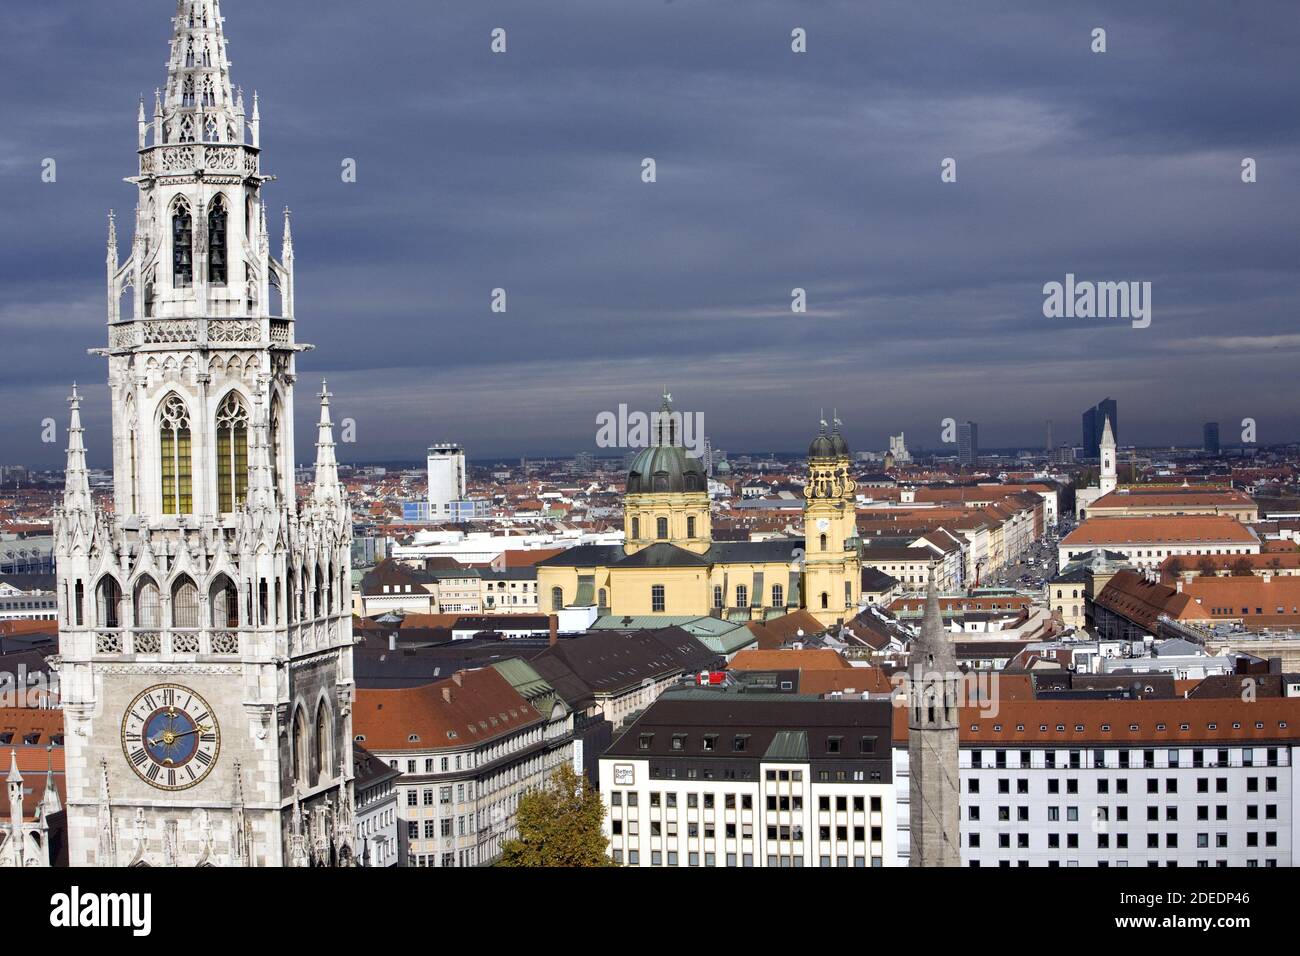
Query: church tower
pixel 933 742
pixel 1108 464
pixel 205 627
pixel 832 564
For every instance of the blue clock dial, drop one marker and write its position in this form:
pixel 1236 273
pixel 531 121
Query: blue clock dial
pixel 170 737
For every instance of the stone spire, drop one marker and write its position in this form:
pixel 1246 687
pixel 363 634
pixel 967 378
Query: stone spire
pixel 933 742
pixel 76 488
pixel 933 644
pixel 106 853
pixel 112 241
pixel 15 781
pixel 198 72
pixel 326 491
pixel 50 802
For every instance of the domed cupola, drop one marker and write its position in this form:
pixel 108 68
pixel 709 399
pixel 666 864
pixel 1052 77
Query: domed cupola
pixel 666 466
pixel 667 500
pixel 823 446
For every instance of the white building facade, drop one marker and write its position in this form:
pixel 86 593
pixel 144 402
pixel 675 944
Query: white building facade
pixel 695 783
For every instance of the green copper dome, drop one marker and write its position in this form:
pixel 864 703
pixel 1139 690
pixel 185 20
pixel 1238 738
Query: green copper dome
pixel 665 468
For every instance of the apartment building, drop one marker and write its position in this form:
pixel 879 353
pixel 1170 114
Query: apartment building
pixel 716 778
pixel 376 809
pixel 468 748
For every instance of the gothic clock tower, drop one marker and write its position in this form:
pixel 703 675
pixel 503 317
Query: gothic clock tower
pixel 205 629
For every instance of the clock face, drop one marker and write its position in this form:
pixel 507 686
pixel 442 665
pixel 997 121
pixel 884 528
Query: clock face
pixel 823 524
pixel 170 737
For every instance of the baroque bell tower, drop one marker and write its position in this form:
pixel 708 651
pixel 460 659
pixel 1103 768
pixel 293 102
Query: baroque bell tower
pixel 832 582
pixel 205 630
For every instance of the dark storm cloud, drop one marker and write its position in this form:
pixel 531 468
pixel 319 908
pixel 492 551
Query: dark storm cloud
pixel 820 171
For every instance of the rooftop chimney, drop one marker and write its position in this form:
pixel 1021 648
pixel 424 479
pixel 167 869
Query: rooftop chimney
pixel 554 620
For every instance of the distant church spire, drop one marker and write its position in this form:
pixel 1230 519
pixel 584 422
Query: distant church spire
pixel 1109 475
pixel 933 741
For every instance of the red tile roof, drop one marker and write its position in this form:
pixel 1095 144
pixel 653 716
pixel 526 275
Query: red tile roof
pixel 463 711
pixel 1171 529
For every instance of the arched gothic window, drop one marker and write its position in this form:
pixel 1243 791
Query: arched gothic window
pixel 823 542
pixel 209 94
pixel 148 607
pixel 557 599
pixel 189 53
pixel 109 599
pixel 185 604
pixel 174 452
pixel 218 263
pixel 826 599
pixel 182 246
pixel 232 453
pixel 300 747
pixel 778 596
pixel 718 598
pixel 321 755
pixel 742 596
pixel 187 91
pixel 224 603
pixel 661 528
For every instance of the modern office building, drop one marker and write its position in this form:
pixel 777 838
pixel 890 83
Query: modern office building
pixel 1211 438
pixel 1094 423
pixel 446 478
pixel 968 443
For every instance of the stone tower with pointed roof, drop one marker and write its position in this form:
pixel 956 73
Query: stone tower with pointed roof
pixel 933 742
pixel 205 624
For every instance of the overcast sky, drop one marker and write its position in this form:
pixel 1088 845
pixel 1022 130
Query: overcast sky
pixel 775 170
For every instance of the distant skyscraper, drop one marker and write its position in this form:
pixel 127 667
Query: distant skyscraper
pixel 1049 434
pixel 446 478
pixel 1211 433
pixel 898 448
pixel 968 443
pixel 1094 420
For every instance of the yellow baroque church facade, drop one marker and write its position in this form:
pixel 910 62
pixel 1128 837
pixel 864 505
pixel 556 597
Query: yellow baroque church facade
pixel 670 565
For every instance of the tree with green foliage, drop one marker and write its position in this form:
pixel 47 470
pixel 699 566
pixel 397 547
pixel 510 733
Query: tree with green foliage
pixel 559 825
